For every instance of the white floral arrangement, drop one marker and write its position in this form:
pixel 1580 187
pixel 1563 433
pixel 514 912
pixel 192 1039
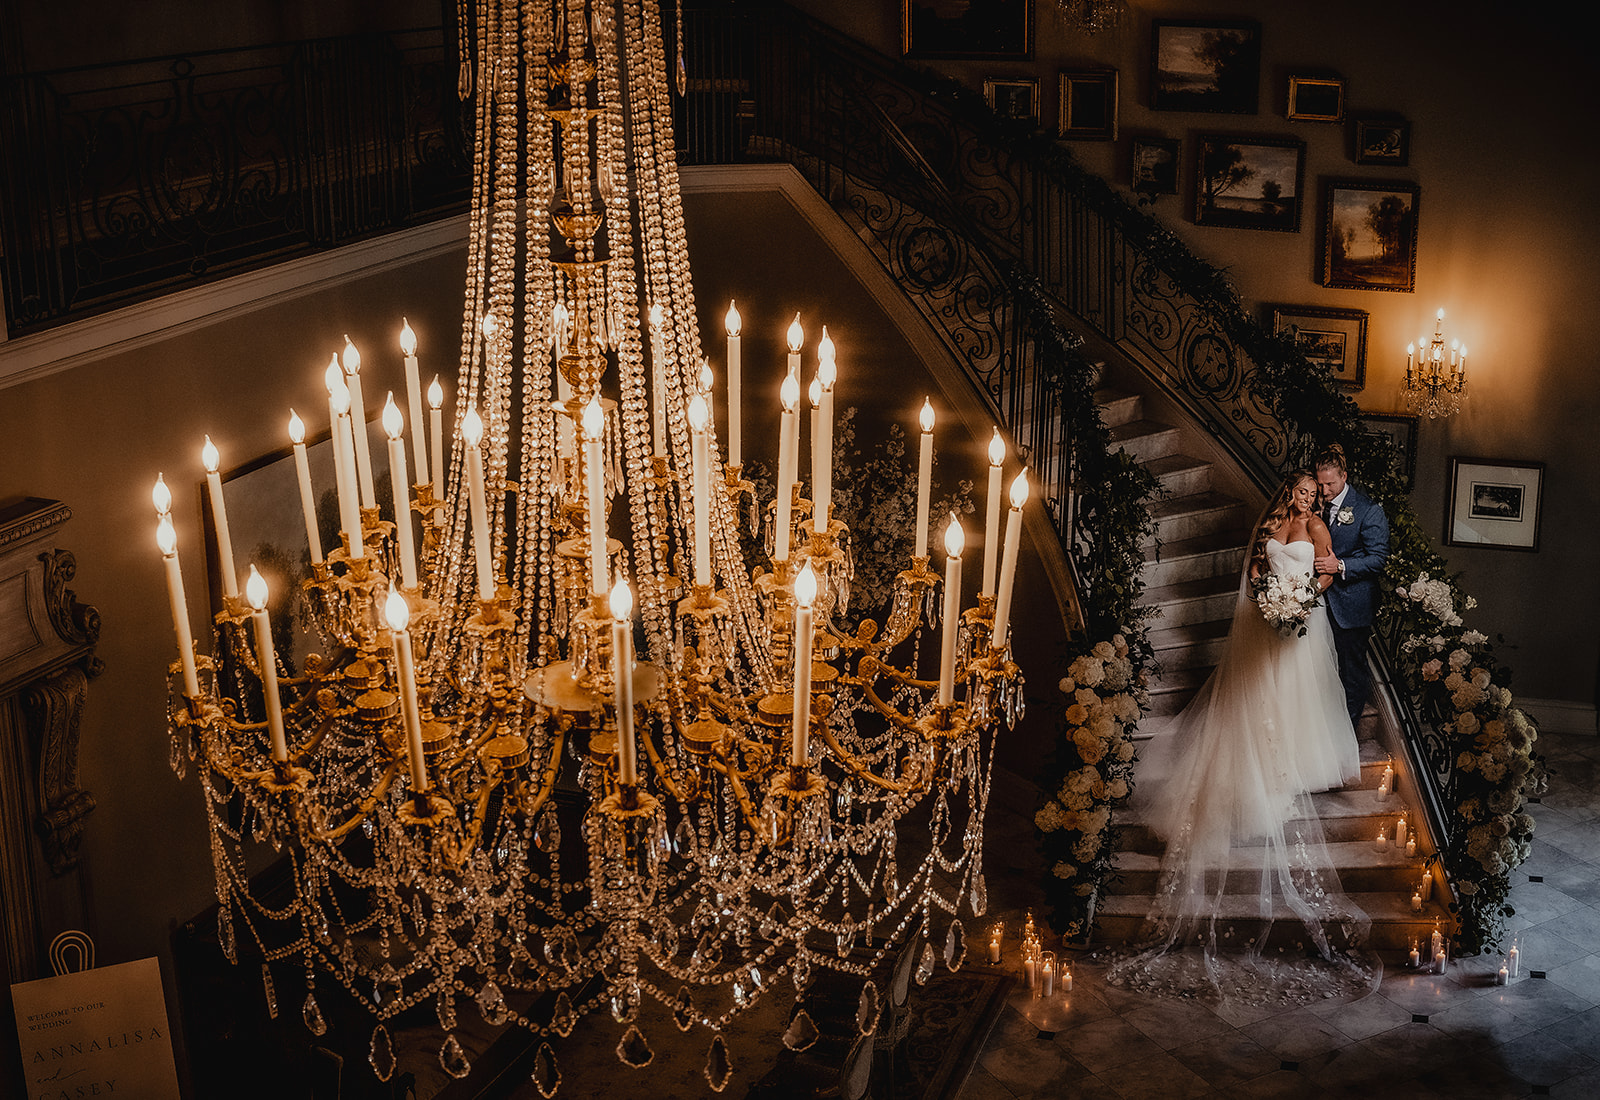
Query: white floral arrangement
pixel 1104 701
pixel 1285 601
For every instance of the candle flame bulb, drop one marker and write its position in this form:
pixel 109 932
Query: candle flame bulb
pixel 392 423
pixel 805 587
pixel 796 336
pixel 925 417
pixel 395 611
pixel 339 394
pixel 209 456
pixel 827 373
pixel 789 393
pixel 255 589
pixel 733 321
pixel 435 394
pixel 697 415
pixel 297 428
pixel 408 339
pixel 658 316
pixel 1440 315
pixel 825 350
pixel 161 496
pixel 997 449
pixel 472 428
pixel 1411 349
pixel 707 379
pixel 1019 489
pixel 333 377
pixel 621 601
pixel 815 393
pixel 593 419
pixel 166 537
pixel 955 537
pixel 352 358
pixel 487 326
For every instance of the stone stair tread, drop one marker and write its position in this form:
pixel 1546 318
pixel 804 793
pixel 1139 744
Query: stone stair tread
pixel 1134 429
pixel 1107 395
pixel 1208 501
pixel 1346 855
pixel 1180 679
pixel 1201 588
pixel 1209 542
pixel 1172 637
pixel 1386 906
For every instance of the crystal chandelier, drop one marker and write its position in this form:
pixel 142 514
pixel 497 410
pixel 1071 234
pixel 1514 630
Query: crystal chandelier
pixel 1092 16
pixel 496 783
pixel 1436 377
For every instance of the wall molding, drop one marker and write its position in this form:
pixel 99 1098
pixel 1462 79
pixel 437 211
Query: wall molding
pixel 93 338
pixel 1560 715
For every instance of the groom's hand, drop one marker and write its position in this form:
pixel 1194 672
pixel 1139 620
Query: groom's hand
pixel 1329 563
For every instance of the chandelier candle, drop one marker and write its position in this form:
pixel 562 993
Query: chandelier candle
pixel 924 477
pixel 419 443
pixel 472 435
pixel 594 423
pixel 401 487
pixel 358 422
pixel 954 542
pixel 700 456
pixel 658 381
pixel 343 458
pixel 267 658
pixel 622 675
pixel 734 322
pixel 827 375
pixel 814 392
pixel 398 615
pixel 805 590
pixel 210 459
pixel 308 499
pixel 991 518
pixel 789 394
pixel 436 422
pixel 167 540
pixel 1008 561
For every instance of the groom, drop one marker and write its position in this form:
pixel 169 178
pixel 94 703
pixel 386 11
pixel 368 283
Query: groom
pixel 1360 534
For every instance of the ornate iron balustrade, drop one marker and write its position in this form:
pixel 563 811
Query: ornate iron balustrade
pixel 128 181
pixel 961 213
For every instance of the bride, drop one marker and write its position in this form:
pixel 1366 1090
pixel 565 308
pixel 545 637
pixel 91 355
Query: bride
pixel 1228 788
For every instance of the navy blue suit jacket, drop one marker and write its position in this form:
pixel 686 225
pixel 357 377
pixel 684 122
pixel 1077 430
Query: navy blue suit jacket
pixel 1363 545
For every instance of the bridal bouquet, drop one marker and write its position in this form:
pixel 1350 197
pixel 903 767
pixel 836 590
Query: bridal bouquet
pixel 1286 600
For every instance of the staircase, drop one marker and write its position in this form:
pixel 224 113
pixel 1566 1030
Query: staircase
pixel 1192 582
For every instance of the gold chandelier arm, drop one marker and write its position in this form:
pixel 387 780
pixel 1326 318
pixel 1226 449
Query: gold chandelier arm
pixel 659 765
pixel 364 810
pixel 868 671
pixel 719 762
pixel 856 767
pixel 552 766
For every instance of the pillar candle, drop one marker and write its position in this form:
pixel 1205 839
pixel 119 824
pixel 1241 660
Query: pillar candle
pixel 1427 886
pixel 483 552
pixel 344 466
pixel 1066 980
pixel 1415 957
pixel 994 949
pixel 805 590
pixel 358 423
pixel 436 467
pixel 167 541
pixel 399 616
pixel 1008 561
pixel 790 395
pixel 400 485
pixel 419 442
pixel 658 380
pixel 1439 960
pixel 219 515
pixel 267 658
pixel 1416 901
pixel 991 518
pixel 1411 846
pixel 1436 941
pixel 594 424
pixel 1047 979
pixel 1502 975
pixel 700 458
pixel 308 498
pixel 1400 831
pixel 622 674
pixel 735 441
pixel 1382 843
pixel 1030 968
pixel 954 541
pixel 1514 959
pixel 924 478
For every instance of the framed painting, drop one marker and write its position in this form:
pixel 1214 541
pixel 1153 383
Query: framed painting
pixel 1088 105
pixel 1155 165
pixel 1249 182
pixel 1370 236
pixel 1013 99
pixel 974 29
pixel 1210 66
pixel 1381 139
pixel 1399 430
pixel 1316 99
pixel 1334 338
pixel 1494 504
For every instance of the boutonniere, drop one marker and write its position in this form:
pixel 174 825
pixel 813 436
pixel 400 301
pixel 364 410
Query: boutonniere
pixel 1346 515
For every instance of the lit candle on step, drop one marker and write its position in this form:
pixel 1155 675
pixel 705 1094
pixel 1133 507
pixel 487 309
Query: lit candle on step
pixel 1411 846
pixel 1400 831
pixel 1047 976
pixel 1066 980
pixel 1427 886
pixel 1382 843
pixel 1416 901
pixel 994 947
pixel 1439 959
pixel 1514 960
pixel 1386 784
pixel 1415 957
pixel 1436 941
pixel 1503 975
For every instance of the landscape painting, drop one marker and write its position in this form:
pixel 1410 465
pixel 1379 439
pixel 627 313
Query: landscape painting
pixel 1249 183
pixel 1205 66
pixel 1370 240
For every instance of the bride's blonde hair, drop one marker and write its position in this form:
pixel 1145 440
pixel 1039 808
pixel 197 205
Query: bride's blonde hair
pixel 1277 511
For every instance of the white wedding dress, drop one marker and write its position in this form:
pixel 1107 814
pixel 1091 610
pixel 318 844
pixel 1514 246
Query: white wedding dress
pixel 1227 787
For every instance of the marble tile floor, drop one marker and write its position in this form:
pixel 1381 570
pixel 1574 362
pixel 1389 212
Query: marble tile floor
pixel 1416 1037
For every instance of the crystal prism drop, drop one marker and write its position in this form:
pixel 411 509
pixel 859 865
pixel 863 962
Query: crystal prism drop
pixel 546 1076
pixel 867 1010
pixel 683 838
pixel 800 972
pixel 683 1009
pixel 955 945
pixel 175 757
pixel 891 878
pixel 381 1053
pixel 453 1058
pixel 446 1007
pixel 772 923
pixel 719 1067
pixel 683 76
pixel 925 964
pixel 225 933
pixel 846 940
pixel 271 992
pixel 633 1051
pixel 313 1015
pixel 492 1003
pixel 562 1018
pixel 802 1032
pixel 980 896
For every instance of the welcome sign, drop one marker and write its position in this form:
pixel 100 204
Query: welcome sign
pixel 96 1033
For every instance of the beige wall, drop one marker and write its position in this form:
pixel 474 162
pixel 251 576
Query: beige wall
pixel 1502 107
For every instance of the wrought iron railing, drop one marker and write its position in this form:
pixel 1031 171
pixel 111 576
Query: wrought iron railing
pixel 124 182
pixel 955 209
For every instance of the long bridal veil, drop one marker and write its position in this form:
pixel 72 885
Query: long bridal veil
pixel 1248 903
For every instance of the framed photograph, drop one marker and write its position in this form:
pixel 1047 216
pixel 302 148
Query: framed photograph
pixel 1381 139
pixel 1494 503
pixel 1013 99
pixel 1249 182
pixel 974 28
pixel 1370 236
pixel 1316 99
pixel 1400 431
pixel 1088 105
pixel 1334 338
pixel 1155 165
pixel 1205 66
